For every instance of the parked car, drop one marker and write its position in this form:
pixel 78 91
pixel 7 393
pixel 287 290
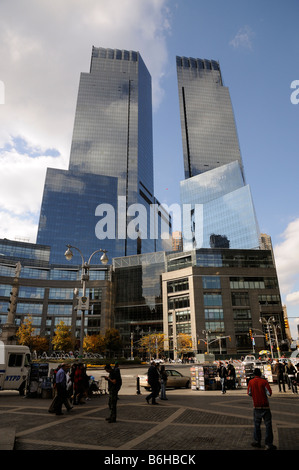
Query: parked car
pixel 174 380
pixel 251 360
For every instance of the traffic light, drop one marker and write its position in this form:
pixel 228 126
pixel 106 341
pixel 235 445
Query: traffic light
pixel 250 333
pixel 286 323
pixel 266 336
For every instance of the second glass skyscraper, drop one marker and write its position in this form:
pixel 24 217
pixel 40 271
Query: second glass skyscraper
pixel 111 164
pixel 216 202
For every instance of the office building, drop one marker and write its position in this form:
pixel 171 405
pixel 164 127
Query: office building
pixel 177 241
pixel 47 292
pixel 216 201
pixel 224 292
pixel 208 125
pixel 93 204
pixel 217 297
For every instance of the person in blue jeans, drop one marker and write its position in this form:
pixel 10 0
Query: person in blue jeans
pixel 154 382
pixel 222 372
pixel 163 380
pixel 259 389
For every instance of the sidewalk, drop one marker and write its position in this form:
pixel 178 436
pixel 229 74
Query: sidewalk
pixel 188 422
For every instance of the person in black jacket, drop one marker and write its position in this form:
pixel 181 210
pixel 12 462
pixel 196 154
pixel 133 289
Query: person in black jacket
pixel 231 375
pixel 154 382
pixel 112 380
pixel 222 372
pixel 279 370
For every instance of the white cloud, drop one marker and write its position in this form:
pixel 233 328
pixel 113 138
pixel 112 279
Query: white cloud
pixel 44 46
pixel 243 38
pixel 287 260
pixel 287 263
pixel 23 181
pixel 16 227
pixel 293 298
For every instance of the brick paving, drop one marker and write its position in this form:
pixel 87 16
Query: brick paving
pixel 189 421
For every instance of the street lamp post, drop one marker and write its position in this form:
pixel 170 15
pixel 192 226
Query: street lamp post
pixel 83 301
pixel 267 322
pixel 206 333
pixel 275 333
pixel 271 321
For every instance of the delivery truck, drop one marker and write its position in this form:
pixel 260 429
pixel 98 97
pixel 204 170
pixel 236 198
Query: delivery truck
pixel 14 367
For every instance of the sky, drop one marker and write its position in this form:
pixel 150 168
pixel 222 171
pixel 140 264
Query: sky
pixel 46 44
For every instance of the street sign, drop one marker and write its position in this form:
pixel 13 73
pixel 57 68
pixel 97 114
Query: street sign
pixel 83 303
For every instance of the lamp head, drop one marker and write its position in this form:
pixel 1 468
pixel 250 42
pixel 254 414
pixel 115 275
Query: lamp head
pixel 68 254
pixel 104 258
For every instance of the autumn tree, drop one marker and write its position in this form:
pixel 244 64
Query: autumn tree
pixel 94 344
pixel 113 340
pixel 184 343
pixel 25 332
pixel 153 344
pixel 40 344
pixel 62 340
pixel 26 336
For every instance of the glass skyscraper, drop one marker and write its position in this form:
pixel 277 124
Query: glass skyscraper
pixel 217 206
pixel 93 204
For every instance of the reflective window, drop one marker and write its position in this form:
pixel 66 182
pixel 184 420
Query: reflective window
pixel 31 292
pixel 212 299
pixel 211 282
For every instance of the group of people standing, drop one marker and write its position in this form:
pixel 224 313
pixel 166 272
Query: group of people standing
pixel 287 375
pixel 71 386
pixel 227 376
pixel 157 379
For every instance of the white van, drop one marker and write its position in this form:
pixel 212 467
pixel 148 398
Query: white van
pixel 14 367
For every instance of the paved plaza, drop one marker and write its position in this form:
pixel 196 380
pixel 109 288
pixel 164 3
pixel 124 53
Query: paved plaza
pixel 189 421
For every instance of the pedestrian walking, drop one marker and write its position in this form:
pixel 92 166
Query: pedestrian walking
pixel 113 391
pixel 163 381
pixel 297 376
pixel 53 403
pixel 70 382
pixel 61 390
pixel 154 382
pixel 279 370
pixel 291 372
pixel 285 375
pixel 222 372
pixel 259 389
pixel 231 376
pixel 79 384
pixel 118 377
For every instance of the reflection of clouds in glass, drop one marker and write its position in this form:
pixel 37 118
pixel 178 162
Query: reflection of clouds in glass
pixel 227 208
pixel 64 182
pixel 212 184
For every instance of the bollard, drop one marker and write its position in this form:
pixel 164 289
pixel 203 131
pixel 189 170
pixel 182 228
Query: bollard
pixel 138 386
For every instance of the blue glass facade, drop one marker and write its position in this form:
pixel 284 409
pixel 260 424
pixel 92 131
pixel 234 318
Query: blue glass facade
pixel 217 207
pixel 68 213
pixel 111 162
pixel 209 132
pixel 218 203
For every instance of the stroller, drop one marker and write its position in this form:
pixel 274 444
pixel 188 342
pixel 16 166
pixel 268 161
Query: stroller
pixel 96 386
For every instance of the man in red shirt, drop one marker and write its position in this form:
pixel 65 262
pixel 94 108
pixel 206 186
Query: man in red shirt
pixel 259 389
